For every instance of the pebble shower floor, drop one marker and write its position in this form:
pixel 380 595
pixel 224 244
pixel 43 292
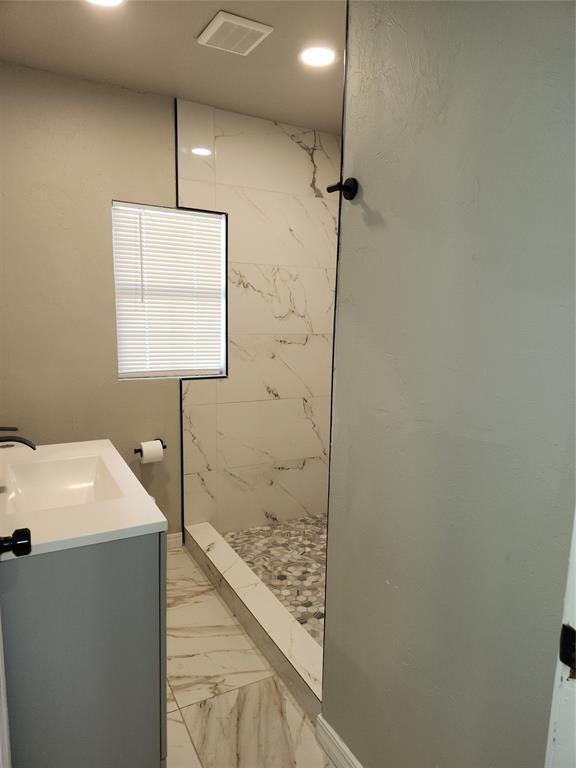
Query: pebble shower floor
pixel 290 558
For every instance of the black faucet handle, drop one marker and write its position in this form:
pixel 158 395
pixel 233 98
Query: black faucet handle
pixel 10 440
pixel 8 429
pixel 20 543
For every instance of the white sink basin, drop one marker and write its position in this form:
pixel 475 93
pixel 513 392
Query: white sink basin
pixel 73 494
pixel 61 483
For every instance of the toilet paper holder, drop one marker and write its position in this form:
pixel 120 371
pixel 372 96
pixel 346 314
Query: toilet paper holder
pixel 139 450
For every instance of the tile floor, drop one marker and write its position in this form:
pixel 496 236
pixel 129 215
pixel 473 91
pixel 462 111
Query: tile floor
pixel 226 707
pixel 244 587
pixel 290 558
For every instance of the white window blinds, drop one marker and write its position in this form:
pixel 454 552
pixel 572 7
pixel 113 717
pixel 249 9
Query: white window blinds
pixel 169 269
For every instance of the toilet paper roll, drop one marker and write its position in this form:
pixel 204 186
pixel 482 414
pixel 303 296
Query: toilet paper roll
pixel 152 451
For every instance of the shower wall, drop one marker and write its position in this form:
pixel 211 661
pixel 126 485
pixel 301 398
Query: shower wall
pixel 255 445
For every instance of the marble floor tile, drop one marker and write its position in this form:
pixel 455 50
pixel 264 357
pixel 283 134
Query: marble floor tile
pixel 302 734
pixel 185 582
pixel 181 752
pixel 226 708
pixel 171 704
pixel 257 726
pixel 207 650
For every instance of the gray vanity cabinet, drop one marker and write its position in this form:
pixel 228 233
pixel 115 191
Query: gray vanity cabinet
pixel 84 651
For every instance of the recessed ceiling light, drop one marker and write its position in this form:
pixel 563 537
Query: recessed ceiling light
pixel 202 151
pixel 317 57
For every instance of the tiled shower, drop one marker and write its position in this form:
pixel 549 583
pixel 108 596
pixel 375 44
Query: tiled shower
pixel 290 558
pixel 256 444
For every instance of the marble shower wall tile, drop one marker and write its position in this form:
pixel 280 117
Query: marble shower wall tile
pixel 195 129
pixel 199 438
pixel 259 726
pixel 257 153
pixel 199 454
pixel 200 496
pixel 272 431
pixel 241 497
pixel 249 463
pixel 196 194
pixel 268 227
pixel 245 433
pixel 269 299
pixel 198 392
pixel 265 367
pixel 252 496
pixel 271 179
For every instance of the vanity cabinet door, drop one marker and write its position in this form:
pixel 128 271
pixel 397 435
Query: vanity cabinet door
pixel 83 649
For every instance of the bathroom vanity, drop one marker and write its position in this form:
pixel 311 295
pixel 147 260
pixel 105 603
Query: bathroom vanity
pixel 83 614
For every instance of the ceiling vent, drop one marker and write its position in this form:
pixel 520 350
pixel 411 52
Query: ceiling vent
pixel 233 33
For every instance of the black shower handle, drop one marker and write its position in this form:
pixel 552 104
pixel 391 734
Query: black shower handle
pixel 349 188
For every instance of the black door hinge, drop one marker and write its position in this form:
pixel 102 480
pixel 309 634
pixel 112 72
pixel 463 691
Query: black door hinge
pixel 568 648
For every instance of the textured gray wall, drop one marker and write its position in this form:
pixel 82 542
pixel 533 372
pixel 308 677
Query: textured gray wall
pixel 67 149
pixel 451 498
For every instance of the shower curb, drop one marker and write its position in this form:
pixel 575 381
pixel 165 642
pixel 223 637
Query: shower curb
pixel 292 652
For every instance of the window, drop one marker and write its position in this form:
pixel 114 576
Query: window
pixel 170 275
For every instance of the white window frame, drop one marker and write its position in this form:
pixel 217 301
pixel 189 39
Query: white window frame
pixel 122 326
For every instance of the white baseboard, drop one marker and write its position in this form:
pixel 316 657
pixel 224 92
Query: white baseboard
pixel 333 745
pixel 174 541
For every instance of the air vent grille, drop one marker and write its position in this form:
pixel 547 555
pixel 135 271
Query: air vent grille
pixel 234 34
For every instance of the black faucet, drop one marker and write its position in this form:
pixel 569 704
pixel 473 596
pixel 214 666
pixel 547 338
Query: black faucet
pixel 14 438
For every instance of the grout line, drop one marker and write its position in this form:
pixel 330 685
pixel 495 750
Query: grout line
pixel 190 735
pixel 301 197
pixel 237 467
pixel 283 266
pixel 265 400
pixel 327 334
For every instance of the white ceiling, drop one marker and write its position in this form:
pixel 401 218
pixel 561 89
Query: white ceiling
pixel 150 45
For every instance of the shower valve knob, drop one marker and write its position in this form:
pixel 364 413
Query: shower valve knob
pixel 349 188
pixel 20 543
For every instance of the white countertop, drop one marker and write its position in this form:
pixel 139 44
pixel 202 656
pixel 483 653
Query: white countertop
pixel 73 495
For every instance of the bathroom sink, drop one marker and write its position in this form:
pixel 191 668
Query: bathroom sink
pixel 48 484
pixel 73 494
